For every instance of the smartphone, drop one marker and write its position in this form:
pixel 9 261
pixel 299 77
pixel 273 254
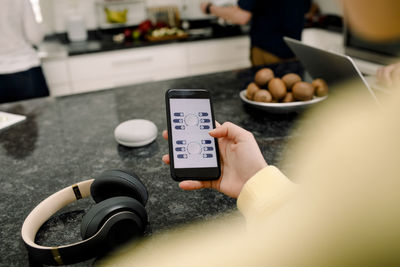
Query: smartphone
pixel 193 153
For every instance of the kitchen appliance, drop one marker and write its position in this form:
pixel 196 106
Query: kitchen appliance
pixel 75 23
pixel 76 29
pixel 166 14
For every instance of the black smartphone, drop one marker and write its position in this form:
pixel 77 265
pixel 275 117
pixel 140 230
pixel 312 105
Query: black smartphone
pixel 193 153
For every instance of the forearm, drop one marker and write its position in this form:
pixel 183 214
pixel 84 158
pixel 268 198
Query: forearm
pixel 266 191
pixel 232 244
pixel 233 14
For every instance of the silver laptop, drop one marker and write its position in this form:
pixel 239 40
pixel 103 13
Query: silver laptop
pixel 332 67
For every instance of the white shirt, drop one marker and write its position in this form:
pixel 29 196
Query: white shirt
pixel 18 32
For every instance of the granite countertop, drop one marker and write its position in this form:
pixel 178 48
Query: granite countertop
pixel 70 139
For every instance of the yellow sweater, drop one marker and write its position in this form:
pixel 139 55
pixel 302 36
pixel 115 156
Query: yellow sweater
pixel 345 210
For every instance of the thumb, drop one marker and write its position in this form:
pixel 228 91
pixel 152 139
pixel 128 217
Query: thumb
pixel 230 131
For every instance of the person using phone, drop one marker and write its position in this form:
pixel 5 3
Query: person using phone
pixel 270 21
pixel 241 158
pixel 344 212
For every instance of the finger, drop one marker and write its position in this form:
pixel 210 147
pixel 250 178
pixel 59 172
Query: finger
pixel 165 159
pixel 194 185
pixel 231 131
pixel 165 134
pixel 387 79
pixel 379 74
pixel 396 76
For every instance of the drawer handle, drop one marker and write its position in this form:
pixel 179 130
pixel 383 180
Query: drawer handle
pixel 122 63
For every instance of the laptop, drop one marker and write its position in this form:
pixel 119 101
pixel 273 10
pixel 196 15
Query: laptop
pixel 334 68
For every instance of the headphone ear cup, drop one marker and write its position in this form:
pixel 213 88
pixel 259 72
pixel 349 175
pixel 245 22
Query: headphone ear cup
pixel 95 218
pixel 114 183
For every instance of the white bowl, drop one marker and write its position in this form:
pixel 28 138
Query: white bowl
pixel 281 107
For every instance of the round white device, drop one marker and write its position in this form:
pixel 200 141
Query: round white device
pixel 135 133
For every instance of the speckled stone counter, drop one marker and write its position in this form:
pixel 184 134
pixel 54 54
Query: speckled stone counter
pixel 69 139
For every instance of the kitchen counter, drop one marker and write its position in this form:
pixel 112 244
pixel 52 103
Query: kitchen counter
pixel 101 41
pixel 70 139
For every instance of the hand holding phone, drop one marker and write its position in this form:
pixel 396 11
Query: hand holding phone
pixel 194 154
pixel 241 158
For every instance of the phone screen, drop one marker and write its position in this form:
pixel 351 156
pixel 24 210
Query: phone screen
pixel 191 120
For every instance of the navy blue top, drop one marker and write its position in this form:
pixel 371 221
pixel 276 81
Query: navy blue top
pixel 273 19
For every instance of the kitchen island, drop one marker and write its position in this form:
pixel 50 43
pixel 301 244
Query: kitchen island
pixel 70 139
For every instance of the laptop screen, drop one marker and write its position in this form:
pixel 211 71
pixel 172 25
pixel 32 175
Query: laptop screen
pixel 334 68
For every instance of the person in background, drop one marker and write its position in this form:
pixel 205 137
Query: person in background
pixel 21 76
pixel 270 21
pixel 343 209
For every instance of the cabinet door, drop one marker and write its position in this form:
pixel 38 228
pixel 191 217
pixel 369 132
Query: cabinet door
pixel 124 67
pixel 219 55
pixel 57 76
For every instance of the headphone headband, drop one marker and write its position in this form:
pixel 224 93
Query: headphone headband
pixel 69 253
pixel 48 207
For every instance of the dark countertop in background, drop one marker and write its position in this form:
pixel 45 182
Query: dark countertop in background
pixel 58 45
pixel 70 139
pixel 101 40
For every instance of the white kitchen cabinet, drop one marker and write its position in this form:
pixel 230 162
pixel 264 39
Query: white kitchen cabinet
pixel 57 76
pixel 218 55
pixel 129 66
pixel 105 70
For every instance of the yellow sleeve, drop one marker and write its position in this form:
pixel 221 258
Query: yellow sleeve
pixel 263 193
